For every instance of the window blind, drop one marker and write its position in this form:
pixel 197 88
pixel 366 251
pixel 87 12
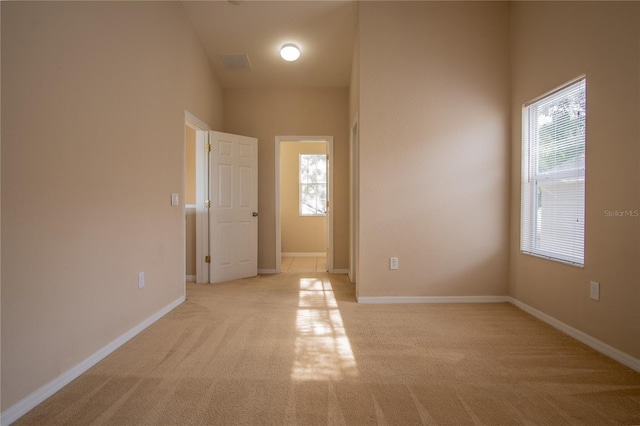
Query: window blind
pixel 553 175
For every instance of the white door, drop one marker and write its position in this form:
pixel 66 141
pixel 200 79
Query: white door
pixel 233 221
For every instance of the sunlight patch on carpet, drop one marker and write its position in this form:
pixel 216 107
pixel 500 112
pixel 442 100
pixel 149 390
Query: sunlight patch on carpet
pixel 322 348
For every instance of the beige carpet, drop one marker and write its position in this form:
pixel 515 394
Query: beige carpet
pixel 297 350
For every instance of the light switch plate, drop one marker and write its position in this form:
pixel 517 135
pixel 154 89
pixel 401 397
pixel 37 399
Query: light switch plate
pixel 175 199
pixel 393 263
pixel 594 290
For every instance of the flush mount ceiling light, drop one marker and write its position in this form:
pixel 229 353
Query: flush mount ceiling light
pixel 290 52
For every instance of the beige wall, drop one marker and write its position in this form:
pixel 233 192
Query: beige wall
pixel 300 234
pixel 601 40
pixel 93 107
pixel 267 113
pixel 434 161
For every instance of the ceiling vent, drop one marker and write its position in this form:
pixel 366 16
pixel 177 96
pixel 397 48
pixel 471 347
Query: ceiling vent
pixel 238 62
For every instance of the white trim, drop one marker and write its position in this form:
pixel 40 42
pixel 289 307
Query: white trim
pixel 431 299
pixel 331 161
pixel 303 254
pixel 605 349
pixel 267 271
pixel 354 196
pixel 341 271
pixel 277 206
pixel 190 278
pixel 22 407
pixel 194 122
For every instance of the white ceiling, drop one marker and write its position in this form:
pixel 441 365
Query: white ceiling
pixel 324 31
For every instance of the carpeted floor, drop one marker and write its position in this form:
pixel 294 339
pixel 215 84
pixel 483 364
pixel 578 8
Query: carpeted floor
pixel 295 349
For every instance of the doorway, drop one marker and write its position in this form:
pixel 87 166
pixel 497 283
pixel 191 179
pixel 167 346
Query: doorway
pixel 220 225
pixel 304 217
pixel 195 189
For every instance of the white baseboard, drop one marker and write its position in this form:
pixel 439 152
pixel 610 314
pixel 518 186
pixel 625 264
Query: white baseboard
pixel 340 271
pixel 605 349
pixel 267 271
pixel 303 254
pixel 190 278
pixel 431 299
pixel 20 408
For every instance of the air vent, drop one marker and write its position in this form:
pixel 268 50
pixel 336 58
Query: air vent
pixel 239 62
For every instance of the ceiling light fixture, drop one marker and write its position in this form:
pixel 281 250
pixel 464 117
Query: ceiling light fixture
pixel 290 52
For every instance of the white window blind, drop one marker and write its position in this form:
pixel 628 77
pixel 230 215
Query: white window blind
pixel 313 184
pixel 553 175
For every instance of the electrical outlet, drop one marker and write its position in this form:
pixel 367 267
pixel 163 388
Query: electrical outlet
pixel 141 280
pixel 594 290
pixel 393 263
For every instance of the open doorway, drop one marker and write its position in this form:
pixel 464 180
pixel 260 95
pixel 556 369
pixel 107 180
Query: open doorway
pixel 195 193
pixel 221 200
pixel 303 204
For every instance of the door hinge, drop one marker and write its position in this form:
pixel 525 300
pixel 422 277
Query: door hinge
pixel 207 259
pixel 207 147
pixel 207 203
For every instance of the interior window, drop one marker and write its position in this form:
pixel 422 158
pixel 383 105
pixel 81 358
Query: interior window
pixel 553 174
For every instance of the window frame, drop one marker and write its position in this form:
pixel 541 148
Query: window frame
pixel 531 215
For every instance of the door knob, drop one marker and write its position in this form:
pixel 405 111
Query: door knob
pixel 255 214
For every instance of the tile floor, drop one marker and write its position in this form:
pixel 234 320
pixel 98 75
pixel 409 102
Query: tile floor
pixel 303 264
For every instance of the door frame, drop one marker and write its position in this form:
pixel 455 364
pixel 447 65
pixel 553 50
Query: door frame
pixel 354 203
pixel 202 191
pixel 329 144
